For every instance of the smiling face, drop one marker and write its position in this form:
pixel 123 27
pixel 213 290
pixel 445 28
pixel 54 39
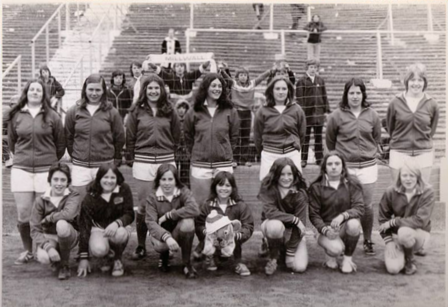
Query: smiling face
pixel 108 182
pixel 214 90
pixel 354 97
pixel 153 92
pixel 224 190
pixel 408 179
pixel 94 91
pixel 415 85
pixel 334 168
pixel 58 183
pixel 280 92
pixel 168 183
pixel 286 177
pixel 35 94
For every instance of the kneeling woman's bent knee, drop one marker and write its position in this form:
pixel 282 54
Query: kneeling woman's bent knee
pixel 273 229
pixel 333 248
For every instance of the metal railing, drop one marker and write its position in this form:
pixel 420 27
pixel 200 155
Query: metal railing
pixel 46 28
pixel 378 33
pixel 17 61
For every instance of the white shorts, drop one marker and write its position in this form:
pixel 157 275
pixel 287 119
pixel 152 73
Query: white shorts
pixel 397 159
pixel 23 181
pixel 268 158
pixel 82 176
pixel 208 173
pixel 146 171
pixel 365 175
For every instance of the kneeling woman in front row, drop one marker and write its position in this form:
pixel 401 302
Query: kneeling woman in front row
pixel 225 199
pixel 53 221
pixel 170 213
pixel 284 198
pixel 106 211
pixel 404 215
pixel 336 206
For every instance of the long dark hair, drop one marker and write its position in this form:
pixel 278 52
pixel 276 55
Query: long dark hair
pixel 164 107
pixel 166 167
pixel 118 73
pixel 270 182
pixel 344 174
pixel 220 179
pixel 201 95
pixel 23 100
pixel 95 78
pixel 354 82
pixel 94 187
pixel 59 167
pixel 269 93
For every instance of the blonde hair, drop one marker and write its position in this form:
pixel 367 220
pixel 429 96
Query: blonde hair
pixel 417 69
pixel 413 169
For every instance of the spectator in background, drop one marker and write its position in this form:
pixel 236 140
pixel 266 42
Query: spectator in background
pixel 243 97
pixel 36 138
pixel 315 28
pixel 53 88
pixel 297 10
pixel 182 156
pixel 412 119
pixel 282 69
pixel 134 83
pixel 311 95
pixel 179 81
pixel 259 10
pixel 118 94
pixel 170 45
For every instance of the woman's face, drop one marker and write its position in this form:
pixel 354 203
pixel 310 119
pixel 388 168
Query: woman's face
pixel 214 89
pixel 333 168
pixel 168 183
pixel 224 189
pixel 242 77
pixel 58 183
pixel 153 92
pixel 416 84
pixel 108 182
pixel 286 177
pixel 94 91
pixel 35 94
pixel 280 92
pixel 354 97
pixel 137 71
pixel 408 179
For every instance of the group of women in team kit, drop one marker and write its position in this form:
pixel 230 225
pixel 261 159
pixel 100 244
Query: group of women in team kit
pixel 90 205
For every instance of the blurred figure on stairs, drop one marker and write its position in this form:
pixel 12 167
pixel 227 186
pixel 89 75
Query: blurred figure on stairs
pixel 170 45
pixel 118 94
pixel 53 88
pixel 297 10
pixel 134 83
pixel 259 10
pixel 315 28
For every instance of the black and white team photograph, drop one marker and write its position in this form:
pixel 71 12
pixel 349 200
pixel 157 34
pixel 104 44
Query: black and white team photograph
pixel 224 153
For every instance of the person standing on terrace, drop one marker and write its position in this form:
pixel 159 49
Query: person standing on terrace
pixel 170 45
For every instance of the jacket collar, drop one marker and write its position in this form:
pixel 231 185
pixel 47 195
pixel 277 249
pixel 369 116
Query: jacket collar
pixel 402 190
pixel 161 197
pixel 325 182
pixel 47 194
pixel 402 97
pixel 26 108
pixel 215 202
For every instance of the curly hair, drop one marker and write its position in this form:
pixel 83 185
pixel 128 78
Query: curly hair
pixel 202 93
pixel 164 107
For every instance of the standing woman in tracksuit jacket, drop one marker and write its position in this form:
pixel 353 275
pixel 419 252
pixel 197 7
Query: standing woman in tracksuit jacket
pixel 211 131
pixel 336 205
pixel 285 201
pixel 119 94
pixel 152 137
pixel 94 131
pixel 225 199
pixel 412 119
pixel 354 130
pixel 280 125
pixel 36 138
pixel 54 226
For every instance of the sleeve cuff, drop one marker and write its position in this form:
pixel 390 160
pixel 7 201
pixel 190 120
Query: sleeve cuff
pixel 84 255
pixel 324 230
pixel 119 222
pixel 346 216
pixel 393 223
pixel 238 236
pixel 296 221
pixel 166 236
pixel 388 239
pixel 169 215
